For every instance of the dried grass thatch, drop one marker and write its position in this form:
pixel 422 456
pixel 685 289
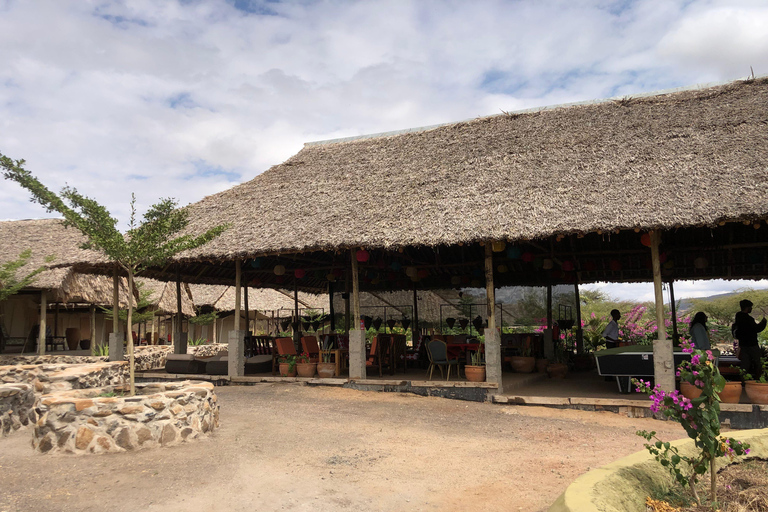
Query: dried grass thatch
pixel 686 158
pixel 222 298
pixel 163 297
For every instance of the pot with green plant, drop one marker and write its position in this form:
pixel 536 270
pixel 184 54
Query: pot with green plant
pixel 304 365
pixel 326 368
pixel 475 372
pixel 559 368
pixel 287 364
pixel 757 389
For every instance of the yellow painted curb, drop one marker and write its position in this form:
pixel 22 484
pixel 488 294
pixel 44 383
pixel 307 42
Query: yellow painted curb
pixel 623 485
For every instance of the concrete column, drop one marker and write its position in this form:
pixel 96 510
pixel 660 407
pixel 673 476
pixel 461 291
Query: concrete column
pixel 356 334
pixel 116 351
pixel 663 358
pixel 180 342
pixel 93 328
pixel 491 334
pixel 238 294
pixel 236 367
pixel 115 301
pixel 43 315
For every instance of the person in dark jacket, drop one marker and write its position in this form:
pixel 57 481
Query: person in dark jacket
pixel 746 330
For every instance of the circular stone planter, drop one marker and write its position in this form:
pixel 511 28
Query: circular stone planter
pixel 104 420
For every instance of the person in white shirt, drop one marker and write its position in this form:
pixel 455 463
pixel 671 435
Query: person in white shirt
pixel 699 333
pixel 611 332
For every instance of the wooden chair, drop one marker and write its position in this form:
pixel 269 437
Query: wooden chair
pixel 310 346
pixel 374 358
pixel 438 356
pixel 258 347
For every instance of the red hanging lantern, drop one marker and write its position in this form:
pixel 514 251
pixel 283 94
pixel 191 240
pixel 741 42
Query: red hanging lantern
pixel 299 273
pixel 646 239
pixel 423 273
pixel 568 266
pixel 363 256
pixel 527 257
pixel 615 265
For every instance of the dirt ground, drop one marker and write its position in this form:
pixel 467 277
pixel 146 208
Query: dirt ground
pixel 299 448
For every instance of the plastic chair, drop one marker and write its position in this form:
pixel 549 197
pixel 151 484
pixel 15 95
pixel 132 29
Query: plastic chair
pixel 438 356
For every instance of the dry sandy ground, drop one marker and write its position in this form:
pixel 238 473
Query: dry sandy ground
pixel 292 447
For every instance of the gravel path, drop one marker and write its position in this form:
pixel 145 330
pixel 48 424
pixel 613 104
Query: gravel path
pixel 291 447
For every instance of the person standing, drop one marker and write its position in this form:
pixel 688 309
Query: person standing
pixel 611 332
pixel 699 331
pixel 745 330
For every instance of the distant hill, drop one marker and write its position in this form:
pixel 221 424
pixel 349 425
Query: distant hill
pixel 686 303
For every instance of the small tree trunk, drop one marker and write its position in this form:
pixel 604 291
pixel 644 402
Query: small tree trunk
pixel 693 488
pixel 131 366
pixel 712 480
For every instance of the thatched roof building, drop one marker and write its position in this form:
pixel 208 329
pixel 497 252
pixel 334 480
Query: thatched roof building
pixel 569 189
pixel 163 296
pixel 222 298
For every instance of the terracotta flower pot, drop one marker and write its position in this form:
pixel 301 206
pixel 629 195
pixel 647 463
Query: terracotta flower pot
pixel 306 369
pixel 475 373
pixel 689 391
pixel 756 391
pixel 284 370
pixel 541 365
pixel 731 393
pixel 557 370
pixel 522 364
pixel 326 370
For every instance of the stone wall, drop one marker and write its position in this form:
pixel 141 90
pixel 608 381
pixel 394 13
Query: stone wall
pixel 9 359
pixel 46 378
pixel 91 421
pixel 16 401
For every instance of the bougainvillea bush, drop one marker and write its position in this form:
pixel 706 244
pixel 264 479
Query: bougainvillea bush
pixel 699 417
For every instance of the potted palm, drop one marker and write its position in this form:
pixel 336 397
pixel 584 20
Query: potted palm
pixel 475 372
pixel 326 368
pixel 304 365
pixel 287 365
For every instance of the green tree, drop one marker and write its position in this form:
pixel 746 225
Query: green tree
pixel 141 312
pixel 151 242
pixel 10 284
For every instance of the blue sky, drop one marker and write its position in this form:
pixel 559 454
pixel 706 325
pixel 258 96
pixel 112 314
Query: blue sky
pixel 187 98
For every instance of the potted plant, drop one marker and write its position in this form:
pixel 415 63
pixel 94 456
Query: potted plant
pixel 559 369
pixel 304 365
pixel 326 368
pixel 757 389
pixel 525 362
pixel 475 372
pixel 287 365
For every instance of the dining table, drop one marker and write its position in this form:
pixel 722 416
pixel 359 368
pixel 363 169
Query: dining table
pixel 461 351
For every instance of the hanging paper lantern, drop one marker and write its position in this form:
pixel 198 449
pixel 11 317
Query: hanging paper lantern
pixel 526 257
pixel 415 278
pixel 299 273
pixel 330 277
pixel 463 323
pixel 502 269
pixel 405 322
pixel 410 271
pixel 669 265
pixel 700 262
pixel 256 262
pixel 498 246
pixel 363 255
pixel 423 273
pixel 547 264
pixel 456 280
pixel 662 257
pixel 396 266
pixel 279 270
pixel 567 266
pixel 450 322
pixel 615 265
pixel 513 253
pixel 645 239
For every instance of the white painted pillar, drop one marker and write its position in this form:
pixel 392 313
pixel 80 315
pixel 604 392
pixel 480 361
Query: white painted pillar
pixel 663 358
pixel 491 334
pixel 356 334
pixel 43 314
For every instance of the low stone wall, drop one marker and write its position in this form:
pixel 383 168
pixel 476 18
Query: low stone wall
pixel 148 357
pixel 87 421
pixel 46 378
pixel 16 401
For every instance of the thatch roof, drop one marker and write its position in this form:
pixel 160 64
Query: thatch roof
pixel 686 158
pixel 400 304
pixel 163 296
pixel 222 298
pixel 47 237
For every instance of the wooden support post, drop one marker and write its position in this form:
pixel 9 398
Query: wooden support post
pixel 491 334
pixel 356 334
pixel 549 342
pixel 115 302
pixel 673 307
pixel 238 294
pixel 43 314
pixel 348 290
pixel 415 331
pixel 297 325
pixel 247 314
pixel 332 310
pixel 579 330
pixel 179 337
pixel 92 337
pixel 56 320
pixel 663 361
